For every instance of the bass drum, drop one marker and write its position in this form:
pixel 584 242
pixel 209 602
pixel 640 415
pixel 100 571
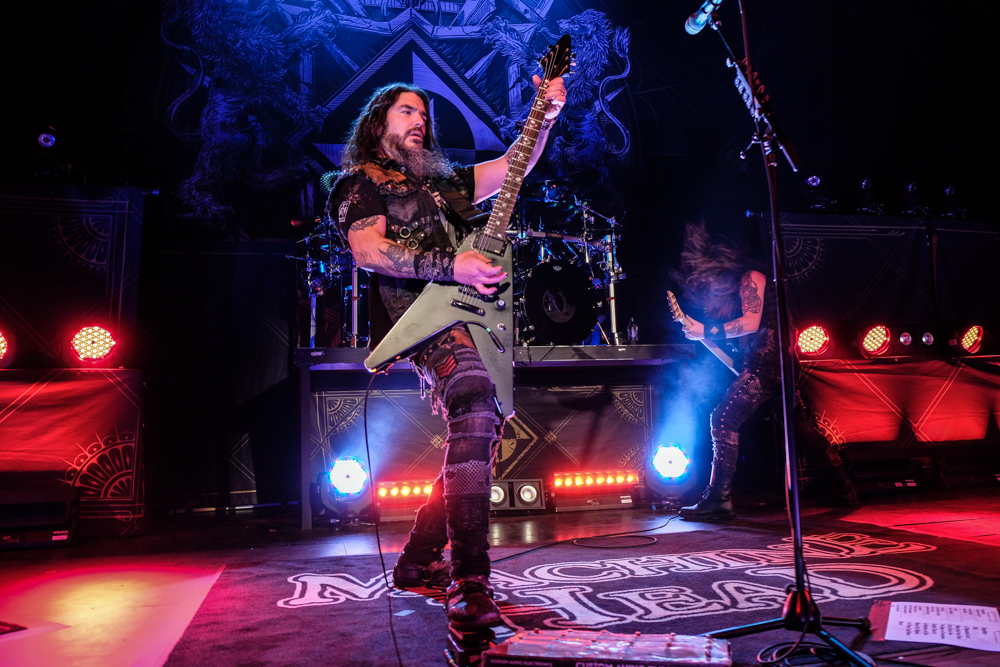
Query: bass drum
pixel 559 304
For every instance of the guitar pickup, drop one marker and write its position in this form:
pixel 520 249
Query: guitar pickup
pixel 472 308
pixel 494 245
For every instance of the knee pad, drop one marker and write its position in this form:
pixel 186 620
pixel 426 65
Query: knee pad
pixel 472 415
pixel 471 391
pixel 469 478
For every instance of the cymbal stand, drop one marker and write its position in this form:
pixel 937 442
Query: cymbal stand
pixel 355 302
pixel 609 264
pixel 312 276
pixel 800 612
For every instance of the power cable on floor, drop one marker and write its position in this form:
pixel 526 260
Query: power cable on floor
pixel 575 540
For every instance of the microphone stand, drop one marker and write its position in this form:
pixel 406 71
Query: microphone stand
pixel 800 612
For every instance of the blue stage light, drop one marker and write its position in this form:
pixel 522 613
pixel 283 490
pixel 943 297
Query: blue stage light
pixel 670 461
pixel 347 476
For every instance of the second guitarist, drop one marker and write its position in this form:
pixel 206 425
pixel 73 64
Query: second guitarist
pixel 403 210
pixel 716 276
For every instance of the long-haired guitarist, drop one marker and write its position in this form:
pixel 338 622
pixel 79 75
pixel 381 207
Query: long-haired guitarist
pixel 404 209
pixel 716 275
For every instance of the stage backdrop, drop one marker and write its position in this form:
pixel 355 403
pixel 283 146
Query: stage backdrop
pixel 79 429
pixel 222 409
pixel 934 419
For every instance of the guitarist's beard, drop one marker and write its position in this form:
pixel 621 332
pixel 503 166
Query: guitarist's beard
pixel 421 162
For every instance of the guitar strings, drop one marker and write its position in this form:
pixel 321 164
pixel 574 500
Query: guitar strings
pixel 483 242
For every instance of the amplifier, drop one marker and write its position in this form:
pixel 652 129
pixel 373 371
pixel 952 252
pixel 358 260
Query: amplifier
pixel 38 517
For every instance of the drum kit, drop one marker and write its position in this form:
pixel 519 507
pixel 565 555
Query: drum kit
pixel 565 270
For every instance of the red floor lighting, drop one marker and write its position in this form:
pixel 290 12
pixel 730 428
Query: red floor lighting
pixel 93 344
pixel 972 339
pixel 876 341
pixel 814 340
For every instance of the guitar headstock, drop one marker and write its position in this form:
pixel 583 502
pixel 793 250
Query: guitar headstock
pixel 557 60
pixel 675 308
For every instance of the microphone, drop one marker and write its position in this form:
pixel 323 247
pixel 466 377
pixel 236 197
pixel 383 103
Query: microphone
pixel 700 18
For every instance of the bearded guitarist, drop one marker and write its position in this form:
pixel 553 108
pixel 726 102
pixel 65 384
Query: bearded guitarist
pixel 404 210
pixel 716 276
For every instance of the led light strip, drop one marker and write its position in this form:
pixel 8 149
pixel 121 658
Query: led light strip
pixel 594 479
pixel 404 490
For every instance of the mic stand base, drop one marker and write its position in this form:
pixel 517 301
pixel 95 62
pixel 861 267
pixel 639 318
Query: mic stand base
pixel 800 614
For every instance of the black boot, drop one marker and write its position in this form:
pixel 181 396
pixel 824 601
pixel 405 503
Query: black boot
pixel 469 604
pixel 844 493
pixel 407 574
pixel 716 503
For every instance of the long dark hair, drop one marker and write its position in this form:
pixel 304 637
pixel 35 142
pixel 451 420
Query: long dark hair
pixel 366 133
pixel 710 271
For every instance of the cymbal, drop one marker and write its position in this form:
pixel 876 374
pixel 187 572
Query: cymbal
pixel 551 191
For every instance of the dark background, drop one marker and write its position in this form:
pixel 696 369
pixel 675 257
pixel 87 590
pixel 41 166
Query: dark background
pixel 894 91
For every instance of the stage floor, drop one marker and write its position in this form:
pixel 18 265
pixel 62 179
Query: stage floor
pixel 160 598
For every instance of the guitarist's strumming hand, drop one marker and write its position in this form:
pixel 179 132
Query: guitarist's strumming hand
pixel 473 269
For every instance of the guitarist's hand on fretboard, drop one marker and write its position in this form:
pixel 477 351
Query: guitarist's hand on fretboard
pixel 693 329
pixel 555 95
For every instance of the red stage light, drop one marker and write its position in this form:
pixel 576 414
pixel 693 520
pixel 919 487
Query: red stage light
pixel 876 340
pixel 6 350
pixel 814 340
pixel 972 339
pixel 93 344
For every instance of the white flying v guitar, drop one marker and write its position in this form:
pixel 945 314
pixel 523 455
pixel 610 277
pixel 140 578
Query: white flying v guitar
pixel 490 319
pixel 679 316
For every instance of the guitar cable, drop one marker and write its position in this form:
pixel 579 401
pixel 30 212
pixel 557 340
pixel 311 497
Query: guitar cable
pixel 378 538
pixel 371 485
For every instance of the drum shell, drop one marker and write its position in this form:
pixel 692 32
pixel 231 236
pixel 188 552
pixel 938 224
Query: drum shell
pixel 559 304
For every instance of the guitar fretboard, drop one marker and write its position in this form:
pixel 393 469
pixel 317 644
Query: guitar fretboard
pixel 495 232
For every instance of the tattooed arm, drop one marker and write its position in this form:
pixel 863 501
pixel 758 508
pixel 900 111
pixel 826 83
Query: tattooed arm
pixel 751 299
pixel 373 251
pixel 489 175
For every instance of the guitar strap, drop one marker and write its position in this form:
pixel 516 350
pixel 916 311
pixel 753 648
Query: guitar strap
pixel 452 200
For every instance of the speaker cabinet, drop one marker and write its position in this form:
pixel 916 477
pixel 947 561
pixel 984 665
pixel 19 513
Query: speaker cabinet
pixel 517 495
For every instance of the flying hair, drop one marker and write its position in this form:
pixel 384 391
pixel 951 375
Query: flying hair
pixel 710 271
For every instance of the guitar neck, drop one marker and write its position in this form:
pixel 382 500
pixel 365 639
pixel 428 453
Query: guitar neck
pixel 712 346
pixel 496 228
pixel 720 355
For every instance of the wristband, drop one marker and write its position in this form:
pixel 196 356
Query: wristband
pixel 434 265
pixel 548 123
pixel 715 330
